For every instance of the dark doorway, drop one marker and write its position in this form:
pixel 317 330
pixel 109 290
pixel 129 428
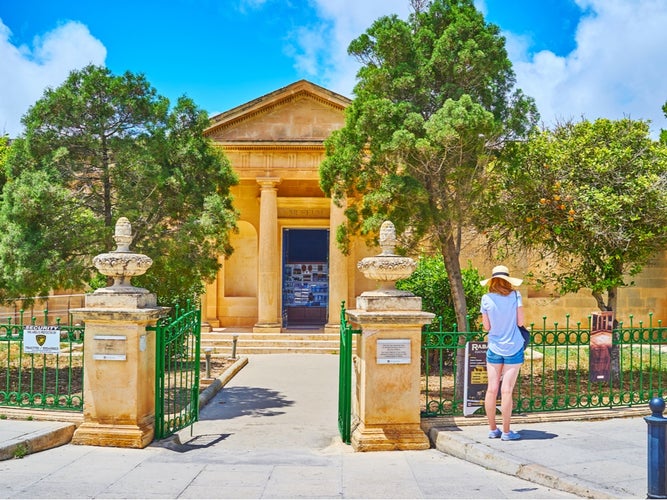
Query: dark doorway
pixel 305 277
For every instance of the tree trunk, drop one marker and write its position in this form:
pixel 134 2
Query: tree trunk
pixel 615 354
pixel 450 253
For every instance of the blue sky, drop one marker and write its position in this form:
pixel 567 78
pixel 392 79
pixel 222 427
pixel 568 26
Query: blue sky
pixel 577 58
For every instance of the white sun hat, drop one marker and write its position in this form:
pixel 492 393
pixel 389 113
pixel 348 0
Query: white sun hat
pixel 503 273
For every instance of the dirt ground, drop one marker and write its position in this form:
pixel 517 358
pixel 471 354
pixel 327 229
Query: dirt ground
pixel 218 366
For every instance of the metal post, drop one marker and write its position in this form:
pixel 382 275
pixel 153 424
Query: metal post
pixel 657 434
pixel 235 339
pixel 208 350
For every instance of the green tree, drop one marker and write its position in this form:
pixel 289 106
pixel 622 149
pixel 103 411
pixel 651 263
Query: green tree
pixel 430 282
pixel 663 132
pixel 590 198
pixel 435 98
pixel 100 147
pixel 4 153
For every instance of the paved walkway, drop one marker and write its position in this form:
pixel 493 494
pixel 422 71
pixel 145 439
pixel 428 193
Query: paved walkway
pixel 272 433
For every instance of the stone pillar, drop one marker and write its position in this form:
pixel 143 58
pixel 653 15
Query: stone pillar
pixel 338 281
pixel 388 350
pixel 388 387
pixel 209 303
pixel 268 286
pixel 119 354
pixel 119 374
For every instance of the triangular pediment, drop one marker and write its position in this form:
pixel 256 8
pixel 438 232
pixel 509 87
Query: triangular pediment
pixel 300 112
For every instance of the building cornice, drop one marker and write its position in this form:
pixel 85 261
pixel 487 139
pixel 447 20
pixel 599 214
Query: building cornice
pixel 274 146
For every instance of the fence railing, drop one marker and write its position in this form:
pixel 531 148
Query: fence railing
pixel 51 381
pixel 557 372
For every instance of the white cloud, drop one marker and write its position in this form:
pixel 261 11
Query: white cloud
pixel 618 68
pixel 26 72
pixel 321 50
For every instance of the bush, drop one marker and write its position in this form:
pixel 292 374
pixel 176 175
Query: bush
pixel 431 283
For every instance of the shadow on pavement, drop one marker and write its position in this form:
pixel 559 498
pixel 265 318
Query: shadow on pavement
pixel 245 401
pixel 173 442
pixel 529 434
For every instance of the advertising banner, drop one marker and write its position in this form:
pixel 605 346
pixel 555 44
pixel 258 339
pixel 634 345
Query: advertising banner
pixel 474 385
pixel 599 360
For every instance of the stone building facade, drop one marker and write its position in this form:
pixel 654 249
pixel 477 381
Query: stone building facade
pixel 286 271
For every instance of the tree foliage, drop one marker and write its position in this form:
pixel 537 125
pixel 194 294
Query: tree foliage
pixel 100 147
pixel 430 282
pixel 591 197
pixel 4 153
pixel 434 100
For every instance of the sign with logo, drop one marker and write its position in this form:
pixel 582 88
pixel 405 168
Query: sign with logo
pixel 41 339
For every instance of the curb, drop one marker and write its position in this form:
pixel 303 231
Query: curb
pixel 208 393
pixel 60 433
pixel 32 442
pixel 447 441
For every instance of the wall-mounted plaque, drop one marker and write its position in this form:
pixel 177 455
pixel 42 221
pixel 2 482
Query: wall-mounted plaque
pixel 393 351
pixel 110 347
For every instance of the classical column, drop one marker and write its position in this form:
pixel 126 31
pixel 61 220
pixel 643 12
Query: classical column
pixel 268 285
pixel 209 306
pixel 338 277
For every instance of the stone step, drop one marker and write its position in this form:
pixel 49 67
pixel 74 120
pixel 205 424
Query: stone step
pixel 221 342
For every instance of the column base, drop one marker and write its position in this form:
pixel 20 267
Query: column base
pixel 267 328
pixel 332 328
pixel 389 437
pixel 119 436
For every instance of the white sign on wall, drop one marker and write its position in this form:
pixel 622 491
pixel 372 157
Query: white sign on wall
pixel 41 339
pixel 393 351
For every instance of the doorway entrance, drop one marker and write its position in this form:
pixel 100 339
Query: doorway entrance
pixel 305 278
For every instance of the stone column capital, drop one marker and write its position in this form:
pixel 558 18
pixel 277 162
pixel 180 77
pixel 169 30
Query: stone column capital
pixel 268 182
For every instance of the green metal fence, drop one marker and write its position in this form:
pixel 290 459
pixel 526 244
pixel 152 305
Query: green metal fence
pixel 52 380
pixel 557 372
pixel 345 377
pixel 177 370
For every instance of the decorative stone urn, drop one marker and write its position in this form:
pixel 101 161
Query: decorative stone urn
pixel 386 268
pixel 121 264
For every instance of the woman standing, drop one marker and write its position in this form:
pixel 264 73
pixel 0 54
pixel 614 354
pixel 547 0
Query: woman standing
pixel 502 313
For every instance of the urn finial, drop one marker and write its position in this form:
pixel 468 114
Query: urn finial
pixel 388 238
pixel 121 264
pixel 387 267
pixel 123 235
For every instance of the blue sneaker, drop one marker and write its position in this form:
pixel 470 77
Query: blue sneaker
pixel 510 436
pixel 495 434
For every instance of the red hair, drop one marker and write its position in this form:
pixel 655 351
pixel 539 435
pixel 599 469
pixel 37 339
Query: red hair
pixel 500 286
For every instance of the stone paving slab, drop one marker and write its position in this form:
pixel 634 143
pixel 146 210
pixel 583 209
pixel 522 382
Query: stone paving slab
pixel 271 432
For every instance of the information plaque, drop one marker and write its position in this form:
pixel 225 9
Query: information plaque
pixel 393 351
pixel 110 347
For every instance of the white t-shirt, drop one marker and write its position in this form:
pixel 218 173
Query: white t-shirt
pixel 504 336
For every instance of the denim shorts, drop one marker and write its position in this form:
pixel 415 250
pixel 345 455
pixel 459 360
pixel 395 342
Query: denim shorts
pixel 496 359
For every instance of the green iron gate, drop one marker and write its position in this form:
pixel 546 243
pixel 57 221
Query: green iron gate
pixel 345 377
pixel 177 370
